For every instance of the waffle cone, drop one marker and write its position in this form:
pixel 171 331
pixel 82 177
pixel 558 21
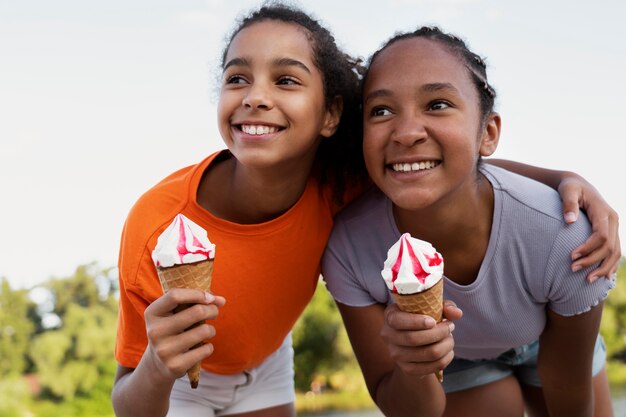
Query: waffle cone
pixel 428 302
pixel 195 276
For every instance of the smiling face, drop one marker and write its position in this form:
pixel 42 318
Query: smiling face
pixel 272 110
pixel 422 125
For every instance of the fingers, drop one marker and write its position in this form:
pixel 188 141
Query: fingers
pixel 169 345
pixel 174 364
pixel 571 195
pixel 179 296
pixel 401 320
pixel 608 267
pixel 176 328
pixel 422 362
pixel 451 311
pixel 417 344
pixel 603 246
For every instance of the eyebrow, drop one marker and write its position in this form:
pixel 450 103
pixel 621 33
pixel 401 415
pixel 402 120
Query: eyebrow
pixel 278 62
pixel 236 61
pixel 438 87
pixel 426 88
pixel 377 93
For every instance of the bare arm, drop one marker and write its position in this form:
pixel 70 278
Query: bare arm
pixel 576 193
pixel 565 358
pixel 145 391
pixel 398 363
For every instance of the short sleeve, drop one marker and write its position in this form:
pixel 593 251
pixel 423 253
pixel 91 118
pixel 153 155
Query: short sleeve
pixel 569 293
pixel 343 274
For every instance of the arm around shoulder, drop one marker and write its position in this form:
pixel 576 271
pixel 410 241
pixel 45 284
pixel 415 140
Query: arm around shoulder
pixel 576 193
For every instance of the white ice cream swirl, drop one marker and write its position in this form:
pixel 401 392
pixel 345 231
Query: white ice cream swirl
pixel 412 266
pixel 183 242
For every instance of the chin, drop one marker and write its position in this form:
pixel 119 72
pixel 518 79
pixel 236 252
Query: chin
pixel 411 200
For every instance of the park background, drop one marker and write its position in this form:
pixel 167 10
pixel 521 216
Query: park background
pixel 101 99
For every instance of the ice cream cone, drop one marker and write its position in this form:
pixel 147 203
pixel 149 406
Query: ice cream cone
pixel 428 302
pixel 196 276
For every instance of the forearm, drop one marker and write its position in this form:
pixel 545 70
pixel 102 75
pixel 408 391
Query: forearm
pixel 565 363
pixel 549 177
pixel 142 392
pixel 567 399
pixel 399 394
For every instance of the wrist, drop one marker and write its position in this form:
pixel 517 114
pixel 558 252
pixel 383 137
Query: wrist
pixel 155 370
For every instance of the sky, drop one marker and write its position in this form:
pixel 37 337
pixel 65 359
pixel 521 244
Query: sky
pixel 99 100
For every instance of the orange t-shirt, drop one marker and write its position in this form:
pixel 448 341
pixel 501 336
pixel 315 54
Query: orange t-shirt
pixel 267 272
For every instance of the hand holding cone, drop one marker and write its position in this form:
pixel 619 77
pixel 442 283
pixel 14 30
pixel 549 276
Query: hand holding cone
pixel 429 302
pixel 184 258
pixel 413 271
pixel 195 276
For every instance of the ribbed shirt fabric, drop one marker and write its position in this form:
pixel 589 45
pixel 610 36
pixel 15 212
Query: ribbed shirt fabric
pixel 526 269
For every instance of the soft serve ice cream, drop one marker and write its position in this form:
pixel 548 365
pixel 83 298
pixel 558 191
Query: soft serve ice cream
pixel 413 272
pixel 182 242
pixel 412 266
pixel 183 258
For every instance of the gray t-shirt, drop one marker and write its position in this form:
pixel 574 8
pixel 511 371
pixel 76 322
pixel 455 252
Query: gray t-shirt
pixel 527 266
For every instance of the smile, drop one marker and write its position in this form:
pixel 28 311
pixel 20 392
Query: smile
pixel 258 129
pixel 415 166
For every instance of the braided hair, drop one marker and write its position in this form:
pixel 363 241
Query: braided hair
pixel 475 65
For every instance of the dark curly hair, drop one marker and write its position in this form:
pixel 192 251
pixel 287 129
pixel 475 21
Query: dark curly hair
pixel 339 158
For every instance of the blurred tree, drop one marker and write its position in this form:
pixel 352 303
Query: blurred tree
pixel 80 289
pixel 16 329
pixel 72 358
pixel 613 329
pixel 14 397
pixel 320 344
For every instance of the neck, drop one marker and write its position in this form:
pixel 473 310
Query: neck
pixel 245 195
pixel 459 227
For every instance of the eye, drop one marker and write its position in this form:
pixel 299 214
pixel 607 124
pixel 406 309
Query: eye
pixel 287 81
pixel 235 79
pixel 439 105
pixel 380 112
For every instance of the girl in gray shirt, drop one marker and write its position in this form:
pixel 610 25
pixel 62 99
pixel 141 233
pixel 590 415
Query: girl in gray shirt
pixel 528 336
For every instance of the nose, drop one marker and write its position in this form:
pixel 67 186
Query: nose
pixel 409 130
pixel 257 97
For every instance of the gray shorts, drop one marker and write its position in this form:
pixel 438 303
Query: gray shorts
pixel 268 385
pixel 463 374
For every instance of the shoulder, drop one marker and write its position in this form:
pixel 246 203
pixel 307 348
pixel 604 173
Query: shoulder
pixel 529 210
pixel 151 213
pixel 527 199
pixel 169 196
pixel 370 205
pixel 356 251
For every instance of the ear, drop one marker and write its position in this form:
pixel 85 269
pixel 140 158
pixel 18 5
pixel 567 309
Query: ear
pixel 490 135
pixel 332 118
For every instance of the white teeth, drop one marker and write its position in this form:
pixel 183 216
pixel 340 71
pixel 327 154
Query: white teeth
pixel 415 166
pixel 258 129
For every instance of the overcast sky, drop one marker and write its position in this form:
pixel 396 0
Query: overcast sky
pixel 99 100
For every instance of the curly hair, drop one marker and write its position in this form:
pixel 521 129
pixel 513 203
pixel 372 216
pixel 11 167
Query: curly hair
pixel 339 158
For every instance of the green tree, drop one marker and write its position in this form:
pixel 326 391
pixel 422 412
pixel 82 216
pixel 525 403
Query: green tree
pixel 71 359
pixel 16 329
pixel 14 397
pixel 320 343
pixel 613 329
